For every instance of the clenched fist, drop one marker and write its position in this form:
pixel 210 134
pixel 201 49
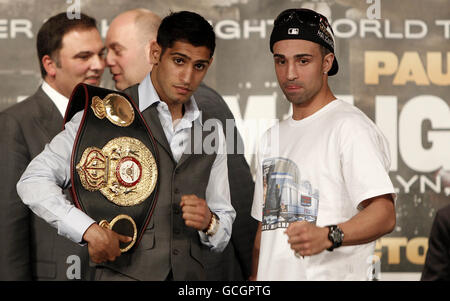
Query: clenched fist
pixel 307 239
pixel 196 213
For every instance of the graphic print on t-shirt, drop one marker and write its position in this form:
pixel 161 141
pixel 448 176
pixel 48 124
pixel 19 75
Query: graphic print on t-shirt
pixel 287 197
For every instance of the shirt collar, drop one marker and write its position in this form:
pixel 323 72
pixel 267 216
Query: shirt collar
pixel 57 98
pixel 148 96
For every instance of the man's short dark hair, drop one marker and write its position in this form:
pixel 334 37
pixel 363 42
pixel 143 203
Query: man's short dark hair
pixel 324 51
pixel 185 26
pixel 51 33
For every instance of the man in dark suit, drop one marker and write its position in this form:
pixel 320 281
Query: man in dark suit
pixel 437 263
pixel 128 41
pixel 69 52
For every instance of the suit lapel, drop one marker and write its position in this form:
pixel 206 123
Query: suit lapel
pixel 49 116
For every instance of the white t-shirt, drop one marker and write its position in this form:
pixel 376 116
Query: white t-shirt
pixel 318 169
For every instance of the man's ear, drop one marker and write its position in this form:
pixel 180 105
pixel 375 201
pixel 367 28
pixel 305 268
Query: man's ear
pixel 147 50
pixel 49 65
pixel 155 53
pixel 327 62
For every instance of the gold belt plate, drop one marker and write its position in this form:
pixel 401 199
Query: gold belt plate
pixel 124 171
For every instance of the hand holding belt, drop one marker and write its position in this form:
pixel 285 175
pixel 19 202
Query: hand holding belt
pixel 124 225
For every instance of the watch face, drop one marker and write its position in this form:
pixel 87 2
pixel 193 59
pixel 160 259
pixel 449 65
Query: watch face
pixel 337 235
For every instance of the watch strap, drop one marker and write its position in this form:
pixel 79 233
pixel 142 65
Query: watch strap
pixel 336 236
pixel 213 225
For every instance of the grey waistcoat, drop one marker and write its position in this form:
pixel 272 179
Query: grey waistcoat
pixel 168 244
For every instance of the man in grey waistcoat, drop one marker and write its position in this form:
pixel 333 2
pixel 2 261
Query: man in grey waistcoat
pixel 193 214
pixel 128 41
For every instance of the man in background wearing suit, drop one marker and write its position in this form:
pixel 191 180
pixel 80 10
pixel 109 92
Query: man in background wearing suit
pixel 69 52
pixel 128 41
pixel 437 263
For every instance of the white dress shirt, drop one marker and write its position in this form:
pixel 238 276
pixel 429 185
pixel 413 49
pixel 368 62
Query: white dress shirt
pixel 58 99
pixel 41 183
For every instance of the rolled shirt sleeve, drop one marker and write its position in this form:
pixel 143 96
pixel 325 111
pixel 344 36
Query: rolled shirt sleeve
pixel 41 185
pixel 219 200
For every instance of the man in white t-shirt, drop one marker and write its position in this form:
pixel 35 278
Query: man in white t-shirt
pixel 323 193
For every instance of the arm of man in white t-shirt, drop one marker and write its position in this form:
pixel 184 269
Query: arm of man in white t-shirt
pixel 365 165
pixel 374 221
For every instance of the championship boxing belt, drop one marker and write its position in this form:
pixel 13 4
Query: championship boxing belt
pixel 114 162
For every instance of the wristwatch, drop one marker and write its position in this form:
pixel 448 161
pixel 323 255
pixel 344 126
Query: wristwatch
pixel 336 236
pixel 213 225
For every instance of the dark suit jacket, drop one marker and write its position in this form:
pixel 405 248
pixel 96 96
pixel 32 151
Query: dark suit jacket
pixel 437 263
pixel 235 262
pixel 31 249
